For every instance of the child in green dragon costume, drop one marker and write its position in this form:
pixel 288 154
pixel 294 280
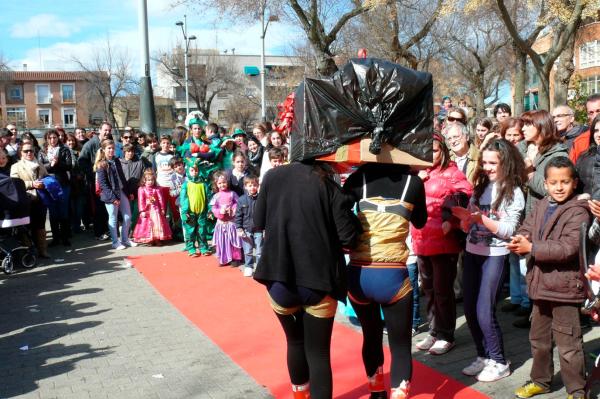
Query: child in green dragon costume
pixel 193 200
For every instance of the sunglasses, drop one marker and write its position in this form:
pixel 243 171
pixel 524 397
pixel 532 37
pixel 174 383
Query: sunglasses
pixel 27 151
pixel 453 119
pixel 127 137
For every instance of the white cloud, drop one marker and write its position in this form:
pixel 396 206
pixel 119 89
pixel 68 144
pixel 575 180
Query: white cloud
pixel 44 25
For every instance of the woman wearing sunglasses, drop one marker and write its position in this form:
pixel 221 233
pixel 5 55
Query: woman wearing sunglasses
pixel 32 172
pixel 455 115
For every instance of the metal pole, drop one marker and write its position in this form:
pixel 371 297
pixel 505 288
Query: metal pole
pixel 147 112
pixel 187 45
pixel 262 65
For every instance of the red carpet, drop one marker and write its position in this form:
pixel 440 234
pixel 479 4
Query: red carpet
pixel 234 312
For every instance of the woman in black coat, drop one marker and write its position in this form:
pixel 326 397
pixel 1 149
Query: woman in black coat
pixel 56 158
pixel 306 223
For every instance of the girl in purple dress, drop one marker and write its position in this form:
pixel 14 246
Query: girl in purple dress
pixel 223 204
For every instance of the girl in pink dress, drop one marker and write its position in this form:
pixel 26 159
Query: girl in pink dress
pixel 225 239
pixel 152 226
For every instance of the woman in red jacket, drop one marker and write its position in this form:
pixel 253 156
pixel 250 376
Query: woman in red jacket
pixel 438 244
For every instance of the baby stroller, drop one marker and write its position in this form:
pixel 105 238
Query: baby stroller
pixel 16 245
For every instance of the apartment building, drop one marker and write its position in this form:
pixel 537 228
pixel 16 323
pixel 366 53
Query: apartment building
pixel 282 76
pixel 586 60
pixel 42 99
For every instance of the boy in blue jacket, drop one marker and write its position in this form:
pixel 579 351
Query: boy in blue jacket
pixel 251 239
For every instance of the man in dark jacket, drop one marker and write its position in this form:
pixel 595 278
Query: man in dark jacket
pixel 564 119
pixel 86 160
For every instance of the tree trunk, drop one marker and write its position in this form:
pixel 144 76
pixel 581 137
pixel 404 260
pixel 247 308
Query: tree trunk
pixel 325 64
pixel 544 92
pixel 480 94
pixel 519 82
pixel 563 74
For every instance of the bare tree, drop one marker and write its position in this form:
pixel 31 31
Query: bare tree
pixel 108 74
pixel 242 110
pixel 321 20
pixel 396 29
pixel 208 75
pixel 563 17
pixel 476 44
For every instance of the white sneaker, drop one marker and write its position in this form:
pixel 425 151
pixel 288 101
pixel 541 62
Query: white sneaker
pixel 440 347
pixel 130 244
pixel 119 247
pixel 426 343
pixel 248 271
pixel 476 367
pixel 494 371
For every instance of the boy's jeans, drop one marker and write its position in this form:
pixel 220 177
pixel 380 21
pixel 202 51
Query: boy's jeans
pixel 252 241
pixel 518 286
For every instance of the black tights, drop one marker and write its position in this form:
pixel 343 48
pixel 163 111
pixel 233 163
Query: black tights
pixel 398 320
pixel 308 351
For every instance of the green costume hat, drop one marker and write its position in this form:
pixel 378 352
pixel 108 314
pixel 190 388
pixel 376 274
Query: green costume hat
pixel 197 121
pixel 239 132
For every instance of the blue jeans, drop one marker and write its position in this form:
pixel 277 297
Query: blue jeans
pixel 482 282
pixel 518 285
pixel 413 275
pixel 113 223
pixel 250 242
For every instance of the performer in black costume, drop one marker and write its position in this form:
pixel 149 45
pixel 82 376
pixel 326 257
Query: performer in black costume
pixel 307 220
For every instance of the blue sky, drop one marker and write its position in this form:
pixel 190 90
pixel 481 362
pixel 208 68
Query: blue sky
pixel 46 34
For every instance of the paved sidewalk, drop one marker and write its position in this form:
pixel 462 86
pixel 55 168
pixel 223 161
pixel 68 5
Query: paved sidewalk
pixel 88 325
pixel 95 328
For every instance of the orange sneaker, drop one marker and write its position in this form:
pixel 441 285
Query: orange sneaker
pixel 376 382
pixel 301 391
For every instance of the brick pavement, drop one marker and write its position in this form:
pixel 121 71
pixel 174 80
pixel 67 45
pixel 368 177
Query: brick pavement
pixel 96 329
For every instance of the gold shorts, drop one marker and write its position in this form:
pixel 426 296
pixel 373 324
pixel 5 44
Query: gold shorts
pixel 324 309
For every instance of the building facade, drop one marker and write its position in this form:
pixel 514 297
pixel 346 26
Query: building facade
pixel 585 78
pixel 39 100
pixel 282 76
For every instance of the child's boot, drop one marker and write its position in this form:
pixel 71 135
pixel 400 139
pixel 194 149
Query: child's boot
pixel 377 385
pixel 401 392
pixel 301 391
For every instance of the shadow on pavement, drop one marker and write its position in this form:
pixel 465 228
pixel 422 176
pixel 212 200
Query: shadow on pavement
pixel 39 307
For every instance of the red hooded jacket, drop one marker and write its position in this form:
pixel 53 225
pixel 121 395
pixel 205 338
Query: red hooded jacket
pixel 440 188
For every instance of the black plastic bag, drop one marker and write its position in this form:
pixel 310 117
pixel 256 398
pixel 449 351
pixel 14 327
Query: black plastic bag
pixel 366 98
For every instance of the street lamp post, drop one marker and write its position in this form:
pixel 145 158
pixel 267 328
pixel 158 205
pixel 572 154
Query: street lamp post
pixel 187 41
pixel 264 27
pixel 147 112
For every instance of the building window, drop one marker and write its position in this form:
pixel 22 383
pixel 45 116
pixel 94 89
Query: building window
pixel 69 117
pixel 42 94
pixel 44 117
pixel 67 91
pixel 15 93
pixel 590 85
pixel 589 54
pixel 16 115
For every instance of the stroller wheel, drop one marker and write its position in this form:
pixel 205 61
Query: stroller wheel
pixel 28 260
pixel 7 265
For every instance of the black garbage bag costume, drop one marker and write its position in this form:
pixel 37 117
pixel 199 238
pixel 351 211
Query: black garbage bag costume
pixel 367 98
